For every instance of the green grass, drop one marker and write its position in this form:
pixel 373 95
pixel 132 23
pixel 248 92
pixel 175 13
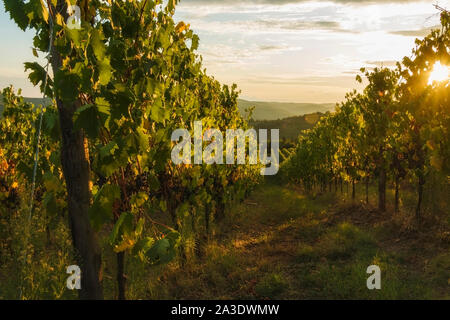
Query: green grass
pixel 271 285
pixel 278 244
pixel 281 244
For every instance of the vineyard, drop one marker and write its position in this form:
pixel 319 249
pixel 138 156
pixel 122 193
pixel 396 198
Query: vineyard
pixel 87 178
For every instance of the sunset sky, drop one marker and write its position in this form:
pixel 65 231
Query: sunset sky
pixel 277 50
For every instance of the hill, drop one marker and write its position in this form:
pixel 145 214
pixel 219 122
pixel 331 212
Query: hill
pixel 290 128
pixel 280 110
pixel 35 101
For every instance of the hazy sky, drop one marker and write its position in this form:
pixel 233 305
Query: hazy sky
pixel 277 50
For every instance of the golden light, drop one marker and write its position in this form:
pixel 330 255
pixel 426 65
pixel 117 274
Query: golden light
pixel 439 73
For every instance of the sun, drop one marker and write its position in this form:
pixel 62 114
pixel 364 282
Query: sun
pixel 439 73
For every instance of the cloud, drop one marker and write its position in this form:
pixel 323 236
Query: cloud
pixel 301 25
pixel 229 54
pixel 415 33
pixel 283 2
pixel 302 50
pixel 343 81
pixel 269 48
pixel 385 63
pixel 267 24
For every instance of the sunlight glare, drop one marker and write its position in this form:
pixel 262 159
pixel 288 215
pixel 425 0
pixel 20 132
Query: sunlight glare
pixel 439 73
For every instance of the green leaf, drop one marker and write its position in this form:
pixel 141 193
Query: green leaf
pixel 174 238
pixel 142 140
pixel 103 61
pixel 171 5
pixel 123 226
pixel 90 119
pixel 109 149
pixel 161 252
pixel 37 76
pixel 164 250
pixel 25 169
pixel 97 44
pixel 73 35
pixel 101 210
pixel 17 12
pixel 158 113
pixel 66 85
pixel 153 182
pixel 195 42
pixel 50 204
pixel 105 71
pixel 86 118
pixel 138 200
pixel 142 246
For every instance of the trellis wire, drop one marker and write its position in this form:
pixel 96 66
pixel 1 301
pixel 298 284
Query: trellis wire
pixel 41 116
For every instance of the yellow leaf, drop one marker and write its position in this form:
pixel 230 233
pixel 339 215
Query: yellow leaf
pixel 436 162
pixel 430 144
pixel 59 19
pixel 126 243
pixel 181 27
pixel 44 11
pixel 4 165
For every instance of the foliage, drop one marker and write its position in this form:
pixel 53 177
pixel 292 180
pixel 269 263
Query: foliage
pixel 135 77
pixel 399 125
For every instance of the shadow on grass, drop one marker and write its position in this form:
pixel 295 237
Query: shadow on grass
pixel 281 244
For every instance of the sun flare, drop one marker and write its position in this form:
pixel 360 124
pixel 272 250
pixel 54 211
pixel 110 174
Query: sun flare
pixel 439 73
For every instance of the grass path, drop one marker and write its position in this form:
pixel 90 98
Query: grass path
pixel 281 244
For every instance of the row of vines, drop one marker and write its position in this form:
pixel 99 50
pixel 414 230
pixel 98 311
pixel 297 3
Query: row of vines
pixel 397 130
pixel 120 86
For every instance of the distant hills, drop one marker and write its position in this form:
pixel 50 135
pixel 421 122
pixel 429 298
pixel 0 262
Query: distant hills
pixel 35 101
pixel 281 110
pixel 290 128
pixel 263 110
pixel 290 118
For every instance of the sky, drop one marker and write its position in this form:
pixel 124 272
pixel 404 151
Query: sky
pixel 277 50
